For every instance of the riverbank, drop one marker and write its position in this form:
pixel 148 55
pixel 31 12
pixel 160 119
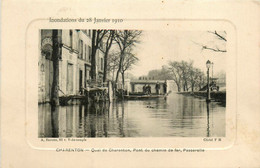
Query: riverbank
pixel 219 96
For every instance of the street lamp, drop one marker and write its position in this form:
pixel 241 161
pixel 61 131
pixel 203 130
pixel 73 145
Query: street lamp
pixel 208 64
pixel 212 71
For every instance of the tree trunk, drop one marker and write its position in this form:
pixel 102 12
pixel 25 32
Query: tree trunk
pixel 93 57
pixel 54 117
pixel 178 87
pixel 186 85
pixel 105 67
pixel 123 79
pixel 108 46
pixel 55 61
pixel 113 75
pixel 120 65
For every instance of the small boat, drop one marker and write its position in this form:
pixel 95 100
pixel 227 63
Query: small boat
pixel 145 97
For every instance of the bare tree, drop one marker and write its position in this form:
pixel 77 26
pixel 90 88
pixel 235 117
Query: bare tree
pixel 109 41
pixel 185 75
pixel 97 36
pixel 125 39
pixel 129 60
pixel 112 63
pixel 195 76
pixel 201 80
pixel 176 72
pixel 185 69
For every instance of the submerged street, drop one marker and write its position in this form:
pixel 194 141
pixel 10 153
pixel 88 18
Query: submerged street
pixel 177 116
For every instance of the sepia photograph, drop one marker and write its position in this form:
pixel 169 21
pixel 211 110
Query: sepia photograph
pixel 131 83
pixel 134 83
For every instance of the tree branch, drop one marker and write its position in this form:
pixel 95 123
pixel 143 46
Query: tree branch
pixel 216 33
pixel 204 47
pixel 213 49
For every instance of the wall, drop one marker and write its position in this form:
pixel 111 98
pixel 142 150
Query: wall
pixel 45 65
pixel 69 55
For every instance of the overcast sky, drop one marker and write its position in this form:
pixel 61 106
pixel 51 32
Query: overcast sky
pixel 157 48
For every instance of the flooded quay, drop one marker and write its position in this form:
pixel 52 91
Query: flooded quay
pixel 177 116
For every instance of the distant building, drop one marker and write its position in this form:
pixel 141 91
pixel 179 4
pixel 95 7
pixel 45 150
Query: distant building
pixel 74 65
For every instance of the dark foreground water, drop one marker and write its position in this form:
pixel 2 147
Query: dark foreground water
pixel 178 116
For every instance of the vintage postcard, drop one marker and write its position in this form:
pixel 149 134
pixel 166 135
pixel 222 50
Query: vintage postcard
pixel 121 81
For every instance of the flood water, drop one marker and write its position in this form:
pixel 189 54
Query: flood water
pixel 177 116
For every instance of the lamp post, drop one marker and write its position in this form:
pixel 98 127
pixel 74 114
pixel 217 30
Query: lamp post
pixel 212 71
pixel 208 63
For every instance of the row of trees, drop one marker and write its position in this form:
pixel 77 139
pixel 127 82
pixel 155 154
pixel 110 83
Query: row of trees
pixel 184 74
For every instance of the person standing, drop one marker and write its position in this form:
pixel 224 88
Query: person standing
pixel 157 88
pixel 149 89
pixel 144 89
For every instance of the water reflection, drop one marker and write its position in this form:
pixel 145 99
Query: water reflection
pixel 208 130
pixel 178 115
